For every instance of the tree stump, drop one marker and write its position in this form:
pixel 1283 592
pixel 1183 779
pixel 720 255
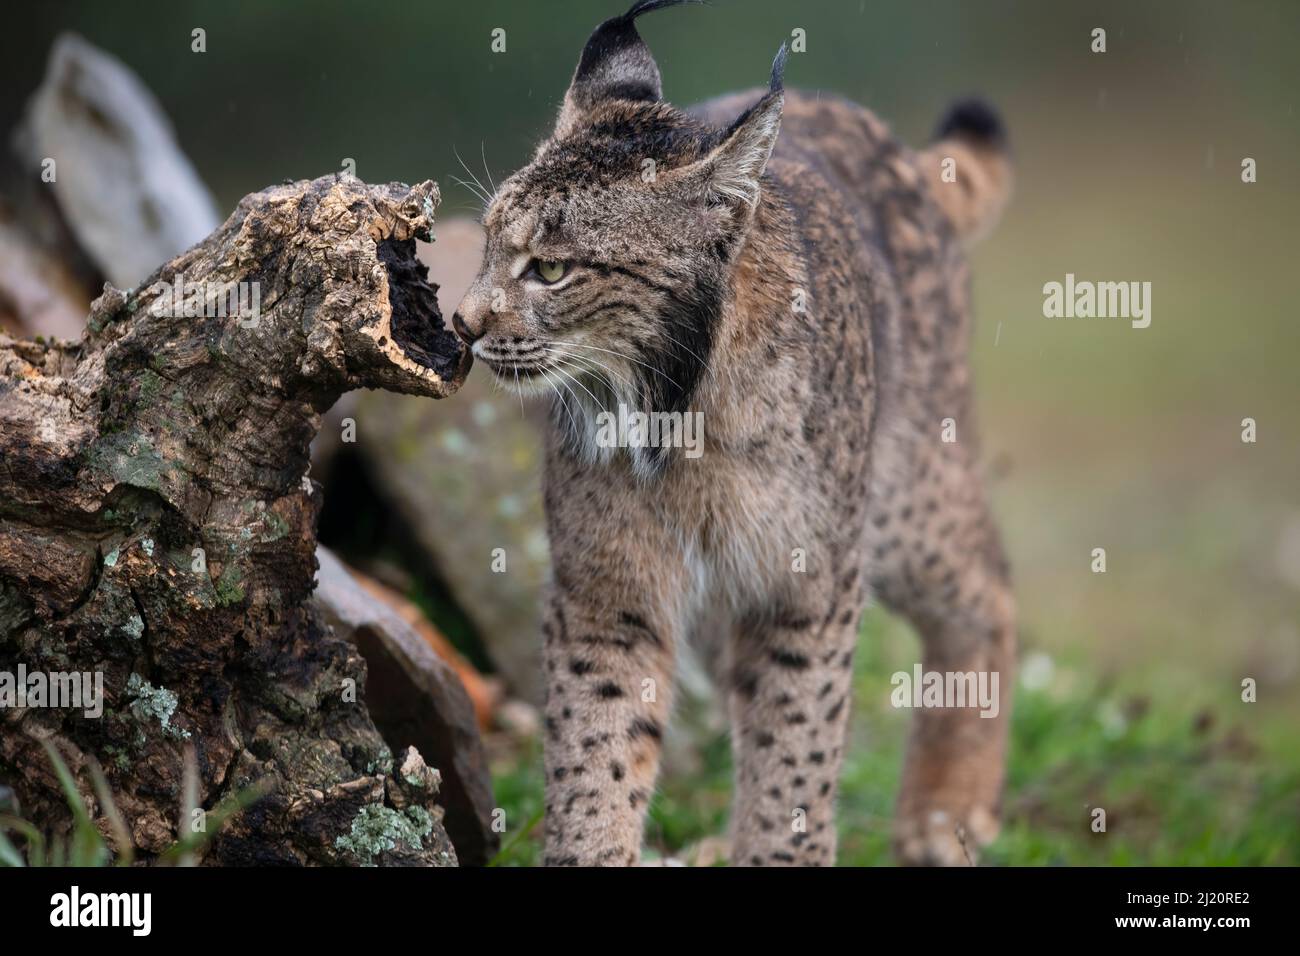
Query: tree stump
pixel 157 528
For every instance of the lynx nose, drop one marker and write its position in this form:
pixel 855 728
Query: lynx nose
pixel 469 337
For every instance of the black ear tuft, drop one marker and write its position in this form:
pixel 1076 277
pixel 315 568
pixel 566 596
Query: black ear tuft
pixel 777 83
pixel 616 63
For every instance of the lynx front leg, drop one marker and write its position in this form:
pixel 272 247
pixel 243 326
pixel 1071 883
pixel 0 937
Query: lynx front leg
pixel 790 687
pixel 608 653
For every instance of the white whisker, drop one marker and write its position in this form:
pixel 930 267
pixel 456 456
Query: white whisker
pixel 572 420
pixel 592 365
pixel 482 190
pixel 474 191
pixel 693 353
pixel 629 358
pixel 482 151
pixel 560 369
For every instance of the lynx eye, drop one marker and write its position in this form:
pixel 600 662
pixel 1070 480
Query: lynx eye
pixel 550 270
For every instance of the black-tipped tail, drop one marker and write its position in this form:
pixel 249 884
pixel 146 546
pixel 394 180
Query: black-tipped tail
pixel 969 167
pixel 976 120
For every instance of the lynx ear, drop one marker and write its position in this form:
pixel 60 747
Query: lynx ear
pixel 733 168
pixel 615 65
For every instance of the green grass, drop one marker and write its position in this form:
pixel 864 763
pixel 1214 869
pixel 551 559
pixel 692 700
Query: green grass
pixel 22 844
pixel 1185 778
pixel 517 785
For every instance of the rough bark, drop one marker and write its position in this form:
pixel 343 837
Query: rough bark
pixel 157 525
pixel 415 698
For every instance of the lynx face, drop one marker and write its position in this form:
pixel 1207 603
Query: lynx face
pixel 607 255
pixel 603 277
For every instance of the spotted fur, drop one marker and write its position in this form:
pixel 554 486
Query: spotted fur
pixel 807 294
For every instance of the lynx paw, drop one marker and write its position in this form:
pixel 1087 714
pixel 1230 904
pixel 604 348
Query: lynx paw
pixel 936 837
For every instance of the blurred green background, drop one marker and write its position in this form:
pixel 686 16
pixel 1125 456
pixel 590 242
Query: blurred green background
pixel 1101 435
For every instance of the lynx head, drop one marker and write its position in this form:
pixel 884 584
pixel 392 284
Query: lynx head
pixel 608 255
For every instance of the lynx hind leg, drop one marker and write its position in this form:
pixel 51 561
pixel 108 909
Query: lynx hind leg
pixel 790 679
pixel 938 561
